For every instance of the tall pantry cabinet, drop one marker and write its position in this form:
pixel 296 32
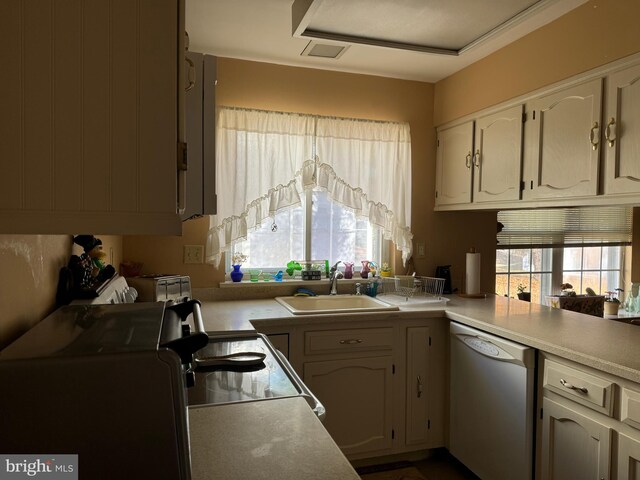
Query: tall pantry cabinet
pixel 91 94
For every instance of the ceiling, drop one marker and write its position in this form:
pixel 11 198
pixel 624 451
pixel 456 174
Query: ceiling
pixel 424 40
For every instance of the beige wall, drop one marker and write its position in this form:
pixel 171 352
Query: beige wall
pixel 165 254
pixel 598 32
pixel 274 87
pixel 29 266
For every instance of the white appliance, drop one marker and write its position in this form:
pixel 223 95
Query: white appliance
pixel 492 404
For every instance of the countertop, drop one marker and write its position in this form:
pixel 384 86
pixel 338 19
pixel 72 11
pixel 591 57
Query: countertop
pixel 606 345
pixel 272 439
pixel 283 439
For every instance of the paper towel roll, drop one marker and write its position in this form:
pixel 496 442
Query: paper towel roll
pixel 473 273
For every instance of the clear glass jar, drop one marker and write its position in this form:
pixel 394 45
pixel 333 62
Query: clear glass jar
pixel 632 302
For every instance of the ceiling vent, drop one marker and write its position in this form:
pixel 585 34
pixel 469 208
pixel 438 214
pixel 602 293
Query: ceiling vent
pixel 324 50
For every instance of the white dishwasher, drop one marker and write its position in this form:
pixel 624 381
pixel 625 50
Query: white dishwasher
pixel 492 398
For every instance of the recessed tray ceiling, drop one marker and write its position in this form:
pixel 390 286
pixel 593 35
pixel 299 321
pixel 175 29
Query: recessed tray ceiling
pixel 433 26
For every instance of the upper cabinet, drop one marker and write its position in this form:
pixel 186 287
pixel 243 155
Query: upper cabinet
pixel 576 141
pixel 622 132
pixel 453 164
pixel 92 108
pixel 497 156
pixel 565 144
pixel 480 161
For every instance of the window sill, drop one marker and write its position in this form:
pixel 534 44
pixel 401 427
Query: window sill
pixel 290 283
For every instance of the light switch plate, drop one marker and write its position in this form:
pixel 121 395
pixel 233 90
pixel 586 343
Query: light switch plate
pixel 420 249
pixel 193 254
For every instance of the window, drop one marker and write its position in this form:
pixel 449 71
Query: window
pixel 543 270
pixel 531 267
pixel 598 268
pixel 335 234
pixel 268 163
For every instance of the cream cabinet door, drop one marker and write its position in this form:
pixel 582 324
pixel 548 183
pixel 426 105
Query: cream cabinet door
pixel 573 445
pixel 565 145
pixel 453 165
pixel 497 157
pixel 89 125
pixel 622 132
pixel 417 385
pixel 357 394
pixel 628 458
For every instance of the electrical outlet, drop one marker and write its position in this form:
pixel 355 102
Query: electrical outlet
pixel 420 249
pixel 193 254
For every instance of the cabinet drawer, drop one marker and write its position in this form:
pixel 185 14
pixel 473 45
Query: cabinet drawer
pixel 630 410
pixel 581 387
pixel 333 341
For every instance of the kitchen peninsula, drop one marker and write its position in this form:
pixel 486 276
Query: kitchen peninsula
pixel 586 347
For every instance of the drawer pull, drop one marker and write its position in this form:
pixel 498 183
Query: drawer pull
pixel 350 341
pixel 573 387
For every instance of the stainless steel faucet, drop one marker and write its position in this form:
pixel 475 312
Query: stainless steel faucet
pixel 334 275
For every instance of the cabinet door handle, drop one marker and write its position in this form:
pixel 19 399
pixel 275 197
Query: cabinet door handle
pixel 418 387
pixel 476 159
pixel 191 76
pixel 607 132
pixel 566 384
pixel 350 341
pixel 592 136
pixel 467 160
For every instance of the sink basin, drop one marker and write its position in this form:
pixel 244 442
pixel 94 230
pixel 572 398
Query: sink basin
pixel 334 304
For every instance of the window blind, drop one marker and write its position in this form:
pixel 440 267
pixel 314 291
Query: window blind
pixel 556 227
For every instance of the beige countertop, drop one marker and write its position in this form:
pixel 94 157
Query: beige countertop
pixel 272 439
pixel 283 439
pixel 607 345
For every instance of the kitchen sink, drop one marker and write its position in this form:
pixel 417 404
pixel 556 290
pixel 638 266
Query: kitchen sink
pixel 334 304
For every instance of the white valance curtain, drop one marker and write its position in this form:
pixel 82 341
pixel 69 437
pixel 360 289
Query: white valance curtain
pixel 265 160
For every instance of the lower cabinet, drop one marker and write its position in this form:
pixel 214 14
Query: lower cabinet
pixel 382 382
pixel 628 458
pixel 357 394
pixel 418 424
pixel 573 445
pixel 590 423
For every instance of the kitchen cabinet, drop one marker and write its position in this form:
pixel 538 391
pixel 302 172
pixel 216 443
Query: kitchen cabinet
pixel 628 458
pixel 382 381
pixel 418 422
pixel 91 121
pixel 453 165
pixel 355 386
pixel 565 143
pixel 622 132
pixel 573 445
pixel 357 393
pixel 200 130
pixel 590 423
pixel 497 157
